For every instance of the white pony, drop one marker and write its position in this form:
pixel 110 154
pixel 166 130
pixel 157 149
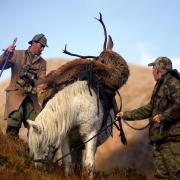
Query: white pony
pixel 75 109
pixel 72 114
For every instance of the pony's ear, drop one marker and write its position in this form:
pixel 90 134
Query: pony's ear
pixel 35 126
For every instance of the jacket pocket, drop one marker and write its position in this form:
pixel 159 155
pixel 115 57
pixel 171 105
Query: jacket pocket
pixel 175 130
pixel 175 148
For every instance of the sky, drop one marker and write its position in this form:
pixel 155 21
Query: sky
pixel 142 30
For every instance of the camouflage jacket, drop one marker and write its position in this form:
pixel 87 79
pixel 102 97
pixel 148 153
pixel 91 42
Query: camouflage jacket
pixel 165 101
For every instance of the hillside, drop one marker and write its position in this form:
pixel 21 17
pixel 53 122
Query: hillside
pixel 112 154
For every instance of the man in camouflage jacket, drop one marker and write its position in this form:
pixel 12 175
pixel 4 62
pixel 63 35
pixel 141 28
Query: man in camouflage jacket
pixel 21 101
pixel 163 111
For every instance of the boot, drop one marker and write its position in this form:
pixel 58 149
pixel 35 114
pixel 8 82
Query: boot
pixel 12 131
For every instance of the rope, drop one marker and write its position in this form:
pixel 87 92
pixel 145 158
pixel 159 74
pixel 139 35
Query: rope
pixel 139 129
pixel 120 128
pixel 81 145
pixel 78 147
pixel 45 161
pixel 126 121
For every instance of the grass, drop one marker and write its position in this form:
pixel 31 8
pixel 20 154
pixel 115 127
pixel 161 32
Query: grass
pixel 16 164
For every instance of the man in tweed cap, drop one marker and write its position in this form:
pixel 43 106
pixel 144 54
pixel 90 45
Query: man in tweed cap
pixel 21 103
pixel 163 111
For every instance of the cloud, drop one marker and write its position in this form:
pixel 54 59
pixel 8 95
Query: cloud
pixel 147 57
pixel 176 63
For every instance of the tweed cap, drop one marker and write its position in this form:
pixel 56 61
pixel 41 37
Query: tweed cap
pixel 39 38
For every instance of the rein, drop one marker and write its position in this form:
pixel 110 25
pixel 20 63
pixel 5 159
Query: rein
pixel 83 143
pixel 121 132
pixel 120 128
pixel 46 161
pixel 138 129
pixel 92 82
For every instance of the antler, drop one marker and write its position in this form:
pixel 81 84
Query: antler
pixel 110 45
pixel 77 55
pixel 105 32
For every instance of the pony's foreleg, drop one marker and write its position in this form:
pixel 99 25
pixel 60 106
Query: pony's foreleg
pixel 77 160
pixel 52 153
pixel 89 162
pixel 67 161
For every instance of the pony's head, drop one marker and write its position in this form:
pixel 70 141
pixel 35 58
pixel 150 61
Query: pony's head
pixel 35 141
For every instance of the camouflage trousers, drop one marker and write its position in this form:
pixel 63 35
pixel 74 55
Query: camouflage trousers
pixel 167 161
pixel 25 111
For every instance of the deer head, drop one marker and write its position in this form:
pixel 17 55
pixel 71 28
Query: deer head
pixel 114 65
pixel 106 46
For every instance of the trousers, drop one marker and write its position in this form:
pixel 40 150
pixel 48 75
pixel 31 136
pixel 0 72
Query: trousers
pixel 25 111
pixel 167 161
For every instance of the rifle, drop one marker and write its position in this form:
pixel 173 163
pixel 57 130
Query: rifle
pixel 7 55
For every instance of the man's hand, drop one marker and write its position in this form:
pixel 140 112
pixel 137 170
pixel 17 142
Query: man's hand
pixel 119 114
pixel 10 49
pixel 157 118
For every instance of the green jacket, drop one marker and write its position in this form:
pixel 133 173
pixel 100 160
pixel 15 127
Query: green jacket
pixel 165 101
